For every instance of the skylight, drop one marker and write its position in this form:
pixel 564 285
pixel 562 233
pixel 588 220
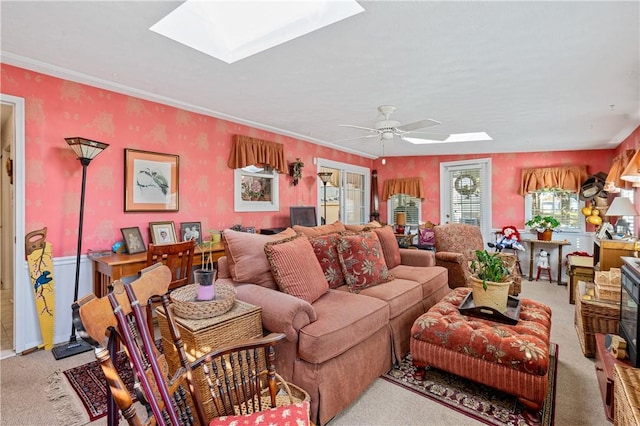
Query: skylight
pixel 455 137
pixel 234 30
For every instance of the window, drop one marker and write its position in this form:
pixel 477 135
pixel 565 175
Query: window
pixel 407 204
pixel 256 190
pixel 563 205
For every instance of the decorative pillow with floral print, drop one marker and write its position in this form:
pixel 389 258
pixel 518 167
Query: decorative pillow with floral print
pixel 362 261
pixel 325 249
pixel 287 415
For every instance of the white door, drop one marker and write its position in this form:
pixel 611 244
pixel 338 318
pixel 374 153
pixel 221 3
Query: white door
pixel 348 193
pixel 465 195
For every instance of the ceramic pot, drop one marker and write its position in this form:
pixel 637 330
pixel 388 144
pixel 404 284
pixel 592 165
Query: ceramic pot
pixel 546 235
pixel 495 296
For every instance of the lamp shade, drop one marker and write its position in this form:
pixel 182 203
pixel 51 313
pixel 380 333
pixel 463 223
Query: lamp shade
pixel 401 218
pixel 325 176
pixel 631 173
pixel 622 206
pixel 86 149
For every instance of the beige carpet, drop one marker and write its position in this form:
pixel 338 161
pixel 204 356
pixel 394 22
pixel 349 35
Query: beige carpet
pixel 25 401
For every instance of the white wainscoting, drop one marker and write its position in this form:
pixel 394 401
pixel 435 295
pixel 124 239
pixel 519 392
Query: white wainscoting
pixel 26 325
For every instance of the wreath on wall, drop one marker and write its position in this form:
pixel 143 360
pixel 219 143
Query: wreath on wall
pixel 466 184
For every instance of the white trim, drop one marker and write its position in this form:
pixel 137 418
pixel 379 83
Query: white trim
pixel 350 168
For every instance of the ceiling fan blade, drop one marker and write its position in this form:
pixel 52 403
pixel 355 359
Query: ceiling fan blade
pixel 358 137
pixel 360 127
pixel 425 136
pixel 418 125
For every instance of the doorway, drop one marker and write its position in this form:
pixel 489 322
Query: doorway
pixel 11 222
pixel 347 193
pixel 465 195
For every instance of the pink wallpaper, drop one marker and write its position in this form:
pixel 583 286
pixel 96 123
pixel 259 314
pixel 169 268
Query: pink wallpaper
pixel 57 108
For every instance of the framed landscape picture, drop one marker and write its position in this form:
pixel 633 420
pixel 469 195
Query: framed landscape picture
pixel 150 181
pixel 191 231
pixel 163 232
pixel 133 240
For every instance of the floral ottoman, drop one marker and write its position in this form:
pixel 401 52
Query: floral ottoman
pixel 511 358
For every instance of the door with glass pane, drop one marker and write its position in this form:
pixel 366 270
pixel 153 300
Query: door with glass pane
pixel 347 193
pixel 465 195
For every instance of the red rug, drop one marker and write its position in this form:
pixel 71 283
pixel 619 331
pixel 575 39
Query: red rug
pixel 477 401
pixel 89 383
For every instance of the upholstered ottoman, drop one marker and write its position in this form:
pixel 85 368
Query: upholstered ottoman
pixel 511 358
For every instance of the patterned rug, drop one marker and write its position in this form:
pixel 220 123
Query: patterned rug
pixel 477 401
pixel 89 383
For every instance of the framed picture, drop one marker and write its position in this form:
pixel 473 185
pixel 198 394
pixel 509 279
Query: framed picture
pixel 191 231
pixel 150 181
pixel 304 216
pixel 256 191
pixel 163 232
pixel 133 240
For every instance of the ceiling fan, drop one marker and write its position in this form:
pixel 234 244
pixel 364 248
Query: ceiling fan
pixel 387 129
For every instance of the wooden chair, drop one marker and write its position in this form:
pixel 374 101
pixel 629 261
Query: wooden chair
pixel 233 375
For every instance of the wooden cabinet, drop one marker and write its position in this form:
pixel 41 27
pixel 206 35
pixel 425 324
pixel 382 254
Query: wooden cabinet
pixel 607 253
pixel 606 375
pixel 580 269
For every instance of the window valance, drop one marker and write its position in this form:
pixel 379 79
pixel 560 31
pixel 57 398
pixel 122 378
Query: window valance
pixel 246 151
pixel 613 182
pixel 569 178
pixel 409 186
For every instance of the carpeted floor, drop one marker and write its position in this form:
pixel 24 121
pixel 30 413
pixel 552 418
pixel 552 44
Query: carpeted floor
pixel 474 400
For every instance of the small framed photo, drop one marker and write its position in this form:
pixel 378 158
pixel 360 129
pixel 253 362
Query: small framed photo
pixel 163 232
pixel 191 231
pixel 133 240
pixel 150 181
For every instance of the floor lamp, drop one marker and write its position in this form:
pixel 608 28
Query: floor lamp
pixel 325 177
pixel 86 150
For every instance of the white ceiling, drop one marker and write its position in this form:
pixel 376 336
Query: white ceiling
pixel 536 76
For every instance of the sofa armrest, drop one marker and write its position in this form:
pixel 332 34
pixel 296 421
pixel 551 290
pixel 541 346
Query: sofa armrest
pixel 281 312
pixel 457 270
pixel 411 257
pixel 223 267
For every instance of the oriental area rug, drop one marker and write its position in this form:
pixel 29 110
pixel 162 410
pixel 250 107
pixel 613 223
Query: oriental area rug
pixel 89 383
pixel 477 401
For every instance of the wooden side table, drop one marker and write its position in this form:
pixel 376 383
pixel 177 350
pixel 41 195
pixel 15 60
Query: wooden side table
pixel 559 244
pixel 580 269
pixel 605 372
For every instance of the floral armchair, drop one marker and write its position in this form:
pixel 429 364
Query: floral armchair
pixel 456 245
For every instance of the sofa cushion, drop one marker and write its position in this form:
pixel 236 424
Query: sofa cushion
pixel 296 269
pixel 326 252
pixel 399 294
pixel 366 226
pixel 390 247
pixel 344 321
pixel 431 279
pixel 362 261
pixel 283 415
pixel 315 231
pixel 246 259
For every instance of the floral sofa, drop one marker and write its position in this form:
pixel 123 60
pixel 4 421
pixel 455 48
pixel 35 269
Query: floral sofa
pixel 345 299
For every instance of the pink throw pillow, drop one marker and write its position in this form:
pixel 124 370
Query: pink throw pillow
pixel 286 415
pixel 426 237
pixel 296 269
pixel 390 247
pixel 326 252
pixel 315 231
pixel 362 261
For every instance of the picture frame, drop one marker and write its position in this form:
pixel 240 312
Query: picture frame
pixel 163 232
pixel 191 231
pixel 150 181
pixel 133 240
pixel 256 191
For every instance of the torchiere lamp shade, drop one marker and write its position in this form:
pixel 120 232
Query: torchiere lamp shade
pixel 86 149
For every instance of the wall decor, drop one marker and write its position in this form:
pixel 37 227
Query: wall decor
pixel 163 232
pixel 256 191
pixel 133 240
pixel 191 231
pixel 150 181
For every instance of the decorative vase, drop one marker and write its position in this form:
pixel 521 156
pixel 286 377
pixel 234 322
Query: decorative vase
pixel 205 279
pixel 546 235
pixel 495 296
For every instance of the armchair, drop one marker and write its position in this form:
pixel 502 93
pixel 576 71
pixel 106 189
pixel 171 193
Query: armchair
pixel 456 245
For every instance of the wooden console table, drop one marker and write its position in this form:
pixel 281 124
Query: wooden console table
pixel 107 269
pixel 559 244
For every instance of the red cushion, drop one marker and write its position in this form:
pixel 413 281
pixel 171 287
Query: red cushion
pixel 325 249
pixel 362 261
pixel 286 415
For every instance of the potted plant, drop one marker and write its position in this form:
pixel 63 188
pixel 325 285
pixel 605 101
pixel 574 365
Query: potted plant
pixel 544 225
pixel 491 280
pixel 205 276
pixel 295 170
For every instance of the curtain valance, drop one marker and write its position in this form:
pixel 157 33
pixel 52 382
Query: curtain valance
pixel 613 182
pixel 569 178
pixel 409 186
pixel 246 151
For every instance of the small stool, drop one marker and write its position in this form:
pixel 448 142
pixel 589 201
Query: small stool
pixel 540 268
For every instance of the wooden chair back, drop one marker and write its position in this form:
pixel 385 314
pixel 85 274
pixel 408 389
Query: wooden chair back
pixel 178 257
pixel 211 386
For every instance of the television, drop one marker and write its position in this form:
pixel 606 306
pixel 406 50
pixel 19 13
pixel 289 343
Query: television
pixel 304 216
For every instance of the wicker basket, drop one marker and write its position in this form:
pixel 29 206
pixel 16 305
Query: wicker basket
pixel 287 394
pixel 185 304
pixel 593 317
pixel 608 292
pixel 627 396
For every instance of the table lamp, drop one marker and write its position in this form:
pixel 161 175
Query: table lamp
pixel 621 206
pixel 401 221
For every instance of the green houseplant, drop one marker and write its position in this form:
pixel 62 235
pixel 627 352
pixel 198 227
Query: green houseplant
pixel 544 225
pixel 491 280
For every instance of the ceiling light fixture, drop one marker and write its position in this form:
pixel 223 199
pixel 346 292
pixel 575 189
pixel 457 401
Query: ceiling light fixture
pixel 455 137
pixel 234 30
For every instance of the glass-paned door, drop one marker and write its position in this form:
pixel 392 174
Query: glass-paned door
pixel 465 195
pixel 347 193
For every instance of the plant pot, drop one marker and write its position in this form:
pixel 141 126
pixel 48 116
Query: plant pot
pixel 546 235
pixel 205 279
pixel 495 296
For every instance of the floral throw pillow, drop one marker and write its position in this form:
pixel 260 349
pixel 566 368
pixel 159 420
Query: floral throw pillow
pixel 362 261
pixel 286 415
pixel 325 249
